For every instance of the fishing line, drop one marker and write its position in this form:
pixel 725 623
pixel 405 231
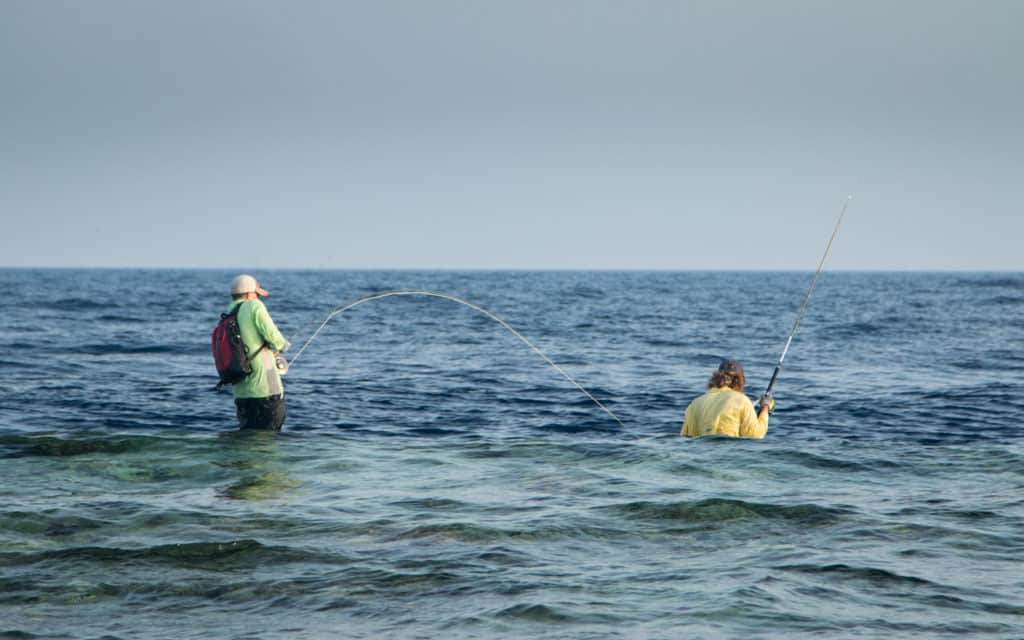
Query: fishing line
pixel 803 307
pixel 419 292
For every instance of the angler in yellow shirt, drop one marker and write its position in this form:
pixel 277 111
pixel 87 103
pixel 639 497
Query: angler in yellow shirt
pixel 724 409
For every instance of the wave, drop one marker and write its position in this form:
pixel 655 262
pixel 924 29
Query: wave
pixel 989 282
pixel 467 532
pixel 832 463
pixel 31 523
pixel 724 510
pixel 208 556
pixel 535 613
pixel 911 587
pixel 15 446
pixel 125 318
pixel 845 572
pixel 74 304
pixel 108 349
pixel 891 326
pixel 458 531
pixel 1006 300
pixel 18 634
pixel 123 349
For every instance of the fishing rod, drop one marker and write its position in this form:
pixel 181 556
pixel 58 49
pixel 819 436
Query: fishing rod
pixel 444 296
pixel 803 307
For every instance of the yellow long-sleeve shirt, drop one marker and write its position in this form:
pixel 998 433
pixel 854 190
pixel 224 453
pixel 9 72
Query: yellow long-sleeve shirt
pixel 726 412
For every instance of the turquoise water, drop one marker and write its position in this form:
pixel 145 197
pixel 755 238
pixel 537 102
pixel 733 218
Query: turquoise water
pixel 437 479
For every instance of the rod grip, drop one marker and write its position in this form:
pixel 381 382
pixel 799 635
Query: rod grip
pixel 775 375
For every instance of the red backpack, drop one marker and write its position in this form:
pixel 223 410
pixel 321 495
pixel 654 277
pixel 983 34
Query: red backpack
pixel 233 363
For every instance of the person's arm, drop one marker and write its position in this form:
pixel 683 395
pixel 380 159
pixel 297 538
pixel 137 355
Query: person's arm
pixel 753 425
pixel 265 325
pixel 687 421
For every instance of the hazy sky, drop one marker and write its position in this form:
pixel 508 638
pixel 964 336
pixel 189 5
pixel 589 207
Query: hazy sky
pixel 514 134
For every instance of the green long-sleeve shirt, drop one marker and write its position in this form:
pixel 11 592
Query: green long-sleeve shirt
pixel 257 327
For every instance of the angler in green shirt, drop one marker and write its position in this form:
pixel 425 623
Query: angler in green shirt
pixel 259 398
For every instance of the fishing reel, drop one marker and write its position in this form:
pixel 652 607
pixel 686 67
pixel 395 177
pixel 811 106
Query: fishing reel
pixel 281 364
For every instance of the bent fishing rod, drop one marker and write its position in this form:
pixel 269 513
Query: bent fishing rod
pixel 803 307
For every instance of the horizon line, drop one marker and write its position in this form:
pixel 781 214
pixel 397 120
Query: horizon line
pixel 520 269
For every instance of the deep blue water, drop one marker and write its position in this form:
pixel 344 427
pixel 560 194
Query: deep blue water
pixel 437 479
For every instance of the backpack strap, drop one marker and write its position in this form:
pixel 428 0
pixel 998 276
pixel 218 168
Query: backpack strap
pixel 262 347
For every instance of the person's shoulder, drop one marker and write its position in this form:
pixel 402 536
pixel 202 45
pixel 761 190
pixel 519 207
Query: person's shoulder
pixel 738 396
pixel 703 397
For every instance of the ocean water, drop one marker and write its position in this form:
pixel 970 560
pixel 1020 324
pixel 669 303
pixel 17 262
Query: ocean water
pixel 437 479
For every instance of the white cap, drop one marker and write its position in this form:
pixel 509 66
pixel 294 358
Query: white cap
pixel 246 284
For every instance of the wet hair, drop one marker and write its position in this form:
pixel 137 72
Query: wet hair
pixel 729 374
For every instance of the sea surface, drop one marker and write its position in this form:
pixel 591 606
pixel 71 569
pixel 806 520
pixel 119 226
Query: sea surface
pixel 438 479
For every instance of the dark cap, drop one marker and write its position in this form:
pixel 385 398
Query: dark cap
pixel 731 366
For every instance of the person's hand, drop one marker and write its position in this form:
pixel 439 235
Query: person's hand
pixel 281 364
pixel 766 403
